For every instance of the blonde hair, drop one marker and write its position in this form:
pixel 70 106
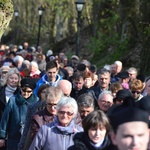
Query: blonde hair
pixel 10 72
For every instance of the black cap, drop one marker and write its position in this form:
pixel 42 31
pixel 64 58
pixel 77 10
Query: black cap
pixel 123 74
pixel 81 67
pixel 128 114
pixel 122 94
pixel 28 82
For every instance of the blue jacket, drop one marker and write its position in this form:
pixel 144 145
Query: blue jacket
pixel 13 116
pixel 44 80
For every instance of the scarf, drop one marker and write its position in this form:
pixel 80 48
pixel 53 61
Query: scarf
pixel 9 91
pixel 65 130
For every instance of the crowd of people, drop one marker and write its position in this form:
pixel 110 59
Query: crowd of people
pixel 52 102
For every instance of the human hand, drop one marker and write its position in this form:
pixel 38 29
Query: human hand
pixel 2 142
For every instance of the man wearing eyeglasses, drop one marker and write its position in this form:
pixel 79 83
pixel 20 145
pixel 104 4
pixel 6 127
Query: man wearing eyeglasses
pixel 105 100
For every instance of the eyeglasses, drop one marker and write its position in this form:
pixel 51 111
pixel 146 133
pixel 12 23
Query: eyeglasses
pixel 138 92
pixel 43 92
pixel 64 112
pixel 105 102
pixel 23 90
pixel 51 105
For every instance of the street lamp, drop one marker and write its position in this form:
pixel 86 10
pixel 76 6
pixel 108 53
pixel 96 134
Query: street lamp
pixel 79 7
pixel 16 14
pixel 40 12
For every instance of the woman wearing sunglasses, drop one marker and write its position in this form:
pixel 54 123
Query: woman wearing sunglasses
pixel 13 119
pixel 58 135
pixel 136 88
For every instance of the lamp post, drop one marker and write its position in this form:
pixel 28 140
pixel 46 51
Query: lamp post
pixel 16 13
pixel 40 12
pixel 79 7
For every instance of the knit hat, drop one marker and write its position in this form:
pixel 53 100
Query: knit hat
pixel 128 114
pixel 123 94
pixel 28 82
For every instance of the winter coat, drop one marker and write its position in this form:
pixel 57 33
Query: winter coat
pixel 82 142
pixel 44 80
pixel 32 109
pixel 13 119
pixel 55 137
pixel 3 99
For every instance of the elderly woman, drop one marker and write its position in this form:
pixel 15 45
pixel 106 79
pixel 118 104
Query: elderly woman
pixel 45 116
pixel 10 87
pixel 13 119
pixel 34 70
pixel 95 136
pixel 58 135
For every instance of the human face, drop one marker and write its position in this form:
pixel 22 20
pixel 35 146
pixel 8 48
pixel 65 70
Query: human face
pixel 132 75
pixel 96 135
pixel 136 93
pixel 13 80
pixel 148 87
pixel 105 102
pixel 26 92
pixel 51 73
pixel 78 84
pixel 33 68
pixel 65 115
pixel 84 111
pixel 131 136
pixel 51 106
pixel 88 82
pixel 119 68
pixel 43 94
pixel 104 80
pixel 113 69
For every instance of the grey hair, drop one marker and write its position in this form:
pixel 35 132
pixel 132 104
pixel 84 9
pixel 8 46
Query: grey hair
pixel 119 63
pixel 33 63
pixel 10 72
pixel 133 69
pixel 18 58
pixel 103 71
pixel 68 101
pixel 85 100
pixel 53 93
pixel 106 92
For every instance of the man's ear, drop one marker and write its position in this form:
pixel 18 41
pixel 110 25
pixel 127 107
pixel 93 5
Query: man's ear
pixel 113 137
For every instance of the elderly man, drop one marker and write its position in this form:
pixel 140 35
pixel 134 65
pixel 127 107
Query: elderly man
pixel 132 73
pixel 85 104
pixel 105 101
pixel 104 81
pixel 65 86
pixel 119 66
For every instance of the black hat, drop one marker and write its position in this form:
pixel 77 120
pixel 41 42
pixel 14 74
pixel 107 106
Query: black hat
pixel 144 103
pixel 128 114
pixel 123 74
pixel 28 82
pixel 81 67
pixel 122 94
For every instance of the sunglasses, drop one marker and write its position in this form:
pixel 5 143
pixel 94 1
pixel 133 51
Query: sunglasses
pixel 51 105
pixel 23 90
pixel 136 92
pixel 64 112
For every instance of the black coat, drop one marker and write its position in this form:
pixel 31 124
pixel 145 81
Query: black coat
pixel 82 142
pixel 3 99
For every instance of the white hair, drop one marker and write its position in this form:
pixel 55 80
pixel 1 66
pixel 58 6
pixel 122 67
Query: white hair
pixel 118 63
pixel 133 69
pixel 33 63
pixel 106 92
pixel 18 58
pixel 68 101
